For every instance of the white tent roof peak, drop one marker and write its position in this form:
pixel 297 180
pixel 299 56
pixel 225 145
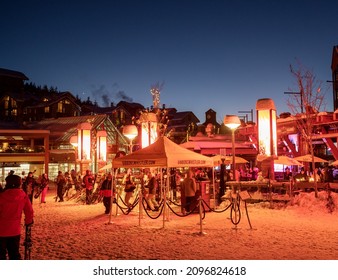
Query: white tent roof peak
pixel 163 153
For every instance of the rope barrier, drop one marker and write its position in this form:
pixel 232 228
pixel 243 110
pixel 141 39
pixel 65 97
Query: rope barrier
pixel 202 206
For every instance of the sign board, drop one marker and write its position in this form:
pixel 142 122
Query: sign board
pixel 244 195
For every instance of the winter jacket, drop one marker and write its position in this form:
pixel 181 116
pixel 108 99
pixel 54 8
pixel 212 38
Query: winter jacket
pixel 152 185
pixel 106 188
pixel 88 180
pixel 189 185
pixel 12 203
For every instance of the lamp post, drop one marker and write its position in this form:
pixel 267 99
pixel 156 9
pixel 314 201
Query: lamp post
pixel 101 148
pixel 84 145
pixel 267 134
pixel 130 131
pixel 74 142
pixel 149 128
pixel 232 122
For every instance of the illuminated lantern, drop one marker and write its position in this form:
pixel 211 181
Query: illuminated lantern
pixel 267 129
pixel 84 141
pixel 149 126
pixel 130 131
pixel 73 141
pixel 101 145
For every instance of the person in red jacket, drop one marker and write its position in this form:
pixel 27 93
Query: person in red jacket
pixel 88 181
pixel 13 202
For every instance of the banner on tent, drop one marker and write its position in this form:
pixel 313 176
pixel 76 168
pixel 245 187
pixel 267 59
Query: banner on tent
pixel 191 162
pixel 154 162
pixel 138 162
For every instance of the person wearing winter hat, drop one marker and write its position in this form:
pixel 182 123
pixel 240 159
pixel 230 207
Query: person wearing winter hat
pixel 13 202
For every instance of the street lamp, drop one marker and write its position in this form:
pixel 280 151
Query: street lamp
pixel 130 131
pixel 232 122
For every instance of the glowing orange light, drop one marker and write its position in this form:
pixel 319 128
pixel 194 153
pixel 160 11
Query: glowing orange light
pixel 102 145
pixel 84 141
pixel 267 128
pixel 149 129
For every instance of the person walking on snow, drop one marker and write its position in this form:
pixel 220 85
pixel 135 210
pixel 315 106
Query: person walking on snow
pixel 107 192
pixel 13 202
pixel 88 180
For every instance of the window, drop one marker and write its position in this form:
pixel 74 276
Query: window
pixel 60 107
pixel 47 109
pixel 6 102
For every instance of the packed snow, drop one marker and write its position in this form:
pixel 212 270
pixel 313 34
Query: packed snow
pixel 304 228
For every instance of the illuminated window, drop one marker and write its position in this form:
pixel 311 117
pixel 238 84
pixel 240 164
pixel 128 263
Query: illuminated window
pixel 13 103
pixel 60 107
pixel 47 109
pixel 122 115
pixel 6 102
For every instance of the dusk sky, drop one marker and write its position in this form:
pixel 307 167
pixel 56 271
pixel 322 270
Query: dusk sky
pixel 212 54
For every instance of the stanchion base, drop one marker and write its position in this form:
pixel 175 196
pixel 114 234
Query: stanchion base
pixel 201 233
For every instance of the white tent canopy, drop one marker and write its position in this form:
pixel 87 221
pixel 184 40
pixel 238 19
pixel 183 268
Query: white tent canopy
pixel 163 153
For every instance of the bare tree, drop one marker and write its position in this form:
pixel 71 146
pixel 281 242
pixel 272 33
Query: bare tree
pixel 156 92
pixel 305 103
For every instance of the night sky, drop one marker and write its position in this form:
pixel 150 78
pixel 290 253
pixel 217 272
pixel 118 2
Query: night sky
pixel 212 54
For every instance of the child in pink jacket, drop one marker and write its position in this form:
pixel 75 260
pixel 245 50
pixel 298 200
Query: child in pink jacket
pixel 13 202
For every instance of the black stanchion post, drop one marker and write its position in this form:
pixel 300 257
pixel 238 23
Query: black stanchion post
pixel 200 215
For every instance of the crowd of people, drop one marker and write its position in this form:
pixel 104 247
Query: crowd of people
pixel 322 175
pixel 19 192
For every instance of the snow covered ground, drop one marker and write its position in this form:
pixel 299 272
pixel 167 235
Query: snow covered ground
pixel 73 231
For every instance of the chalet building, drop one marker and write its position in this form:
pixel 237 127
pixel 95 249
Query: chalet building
pixel 23 150
pixel 181 125
pixel 125 113
pixel 12 95
pixel 62 132
pixel 17 105
pixel 60 105
pixel 47 145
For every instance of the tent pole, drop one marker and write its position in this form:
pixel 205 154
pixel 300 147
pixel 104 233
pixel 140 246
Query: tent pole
pixel 111 197
pixel 164 197
pixel 213 186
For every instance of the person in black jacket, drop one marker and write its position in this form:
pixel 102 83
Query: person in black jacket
pixel 106 191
